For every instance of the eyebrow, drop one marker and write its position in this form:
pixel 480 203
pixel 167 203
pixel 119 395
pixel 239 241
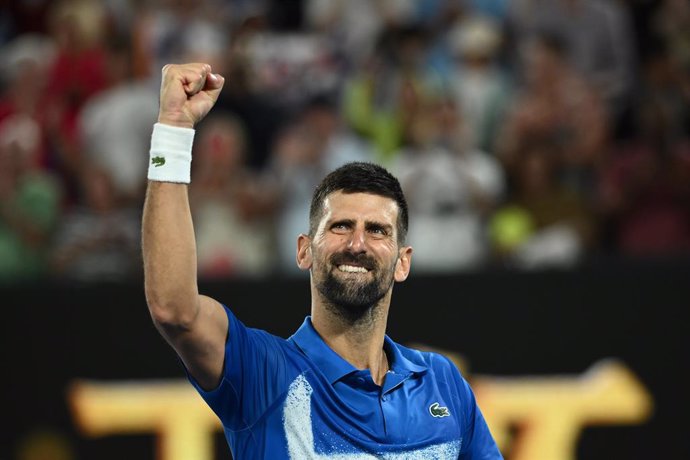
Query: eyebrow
pixel 348 222
pixel 368 225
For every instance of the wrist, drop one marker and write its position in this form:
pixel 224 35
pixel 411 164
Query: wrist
pixel 179 121
pixel 171 153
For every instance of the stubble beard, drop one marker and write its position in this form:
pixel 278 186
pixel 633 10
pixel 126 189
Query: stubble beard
pixel 351 299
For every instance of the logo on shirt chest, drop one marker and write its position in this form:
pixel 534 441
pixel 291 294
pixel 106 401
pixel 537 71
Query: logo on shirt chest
pixel 436 410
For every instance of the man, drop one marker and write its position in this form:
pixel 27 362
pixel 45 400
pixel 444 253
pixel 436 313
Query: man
pixel 339 387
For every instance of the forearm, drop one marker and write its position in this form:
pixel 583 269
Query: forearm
pixel 169 253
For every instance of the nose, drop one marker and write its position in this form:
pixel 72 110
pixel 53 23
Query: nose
pixel 357 242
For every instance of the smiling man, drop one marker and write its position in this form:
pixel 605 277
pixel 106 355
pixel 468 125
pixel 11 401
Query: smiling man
pixel 339 387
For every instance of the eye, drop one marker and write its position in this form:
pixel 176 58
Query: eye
pixel 378 231
pixel 340 227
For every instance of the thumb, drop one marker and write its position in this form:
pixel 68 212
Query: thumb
pixel 214 85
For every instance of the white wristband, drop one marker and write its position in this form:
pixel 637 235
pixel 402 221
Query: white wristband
pixel 170 154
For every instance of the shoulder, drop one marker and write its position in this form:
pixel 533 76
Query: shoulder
pixel 255 356
pixel 238 330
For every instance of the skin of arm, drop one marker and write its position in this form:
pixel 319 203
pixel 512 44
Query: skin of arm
pixel 194 325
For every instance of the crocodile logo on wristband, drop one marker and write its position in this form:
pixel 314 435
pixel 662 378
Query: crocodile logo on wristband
pixel 158 161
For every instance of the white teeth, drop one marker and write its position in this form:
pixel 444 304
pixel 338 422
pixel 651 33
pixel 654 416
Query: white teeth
pixel 352 269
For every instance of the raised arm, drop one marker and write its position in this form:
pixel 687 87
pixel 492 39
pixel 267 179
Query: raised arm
pixel 195 326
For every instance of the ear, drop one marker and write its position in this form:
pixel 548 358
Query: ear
pixel 304 257
pixel 402 266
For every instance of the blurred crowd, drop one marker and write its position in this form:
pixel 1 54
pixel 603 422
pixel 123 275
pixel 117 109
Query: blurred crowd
pixel 525 133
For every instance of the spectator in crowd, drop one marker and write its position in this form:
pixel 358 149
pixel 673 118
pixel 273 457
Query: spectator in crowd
pixel 115 124
pixel 77 73
pixel 317 142
pixel 320 114
pixel 175 30
pixel 645 197
pixel 231 206
pixel 355 25
pixel 543 223
pixel 383 96
pixel 98 238
pixel 452 188
pixel 597 41
pixel 24 64
pixel 260 114
pixel 29 201
pixel 663 100
pixel 613 112
pixel 644 186
pixel 478 83
pixel 556 103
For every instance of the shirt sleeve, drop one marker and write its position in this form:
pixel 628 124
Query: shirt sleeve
pixel 478 443
pixel 254 376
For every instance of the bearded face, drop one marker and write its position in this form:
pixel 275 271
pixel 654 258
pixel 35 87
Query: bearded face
pixel 353 284
pixel 354 256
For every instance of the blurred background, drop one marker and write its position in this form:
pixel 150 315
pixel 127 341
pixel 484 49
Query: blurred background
pixel 543 145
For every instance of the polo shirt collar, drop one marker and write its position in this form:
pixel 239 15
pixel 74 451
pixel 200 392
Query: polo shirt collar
pixel 398 362
pixel 334 367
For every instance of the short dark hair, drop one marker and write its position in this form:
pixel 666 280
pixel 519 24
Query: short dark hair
pixel 360 177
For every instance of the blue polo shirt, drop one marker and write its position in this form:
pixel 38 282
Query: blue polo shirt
pixel 298 399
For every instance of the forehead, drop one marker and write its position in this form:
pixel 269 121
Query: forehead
pixel 359 206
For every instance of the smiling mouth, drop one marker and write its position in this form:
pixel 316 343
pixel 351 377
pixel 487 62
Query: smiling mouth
pixel 352 269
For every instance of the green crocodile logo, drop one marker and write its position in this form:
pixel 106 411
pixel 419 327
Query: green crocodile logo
pixel 437 410
pixel 158 161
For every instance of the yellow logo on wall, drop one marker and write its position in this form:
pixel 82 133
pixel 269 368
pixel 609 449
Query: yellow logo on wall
pixel 531 418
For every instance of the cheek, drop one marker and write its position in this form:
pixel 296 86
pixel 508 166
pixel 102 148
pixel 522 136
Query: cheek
pixel 331 245
pixel 321 253
pixel 394 260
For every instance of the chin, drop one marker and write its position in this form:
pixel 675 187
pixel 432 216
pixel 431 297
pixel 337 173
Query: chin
pixel 352 300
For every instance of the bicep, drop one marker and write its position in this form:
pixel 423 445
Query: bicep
pixel 201 344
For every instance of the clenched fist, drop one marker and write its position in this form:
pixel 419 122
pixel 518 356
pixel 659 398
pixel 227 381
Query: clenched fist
pixel 188 91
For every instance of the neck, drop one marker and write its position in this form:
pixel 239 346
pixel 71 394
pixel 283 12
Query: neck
pixel 360 342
